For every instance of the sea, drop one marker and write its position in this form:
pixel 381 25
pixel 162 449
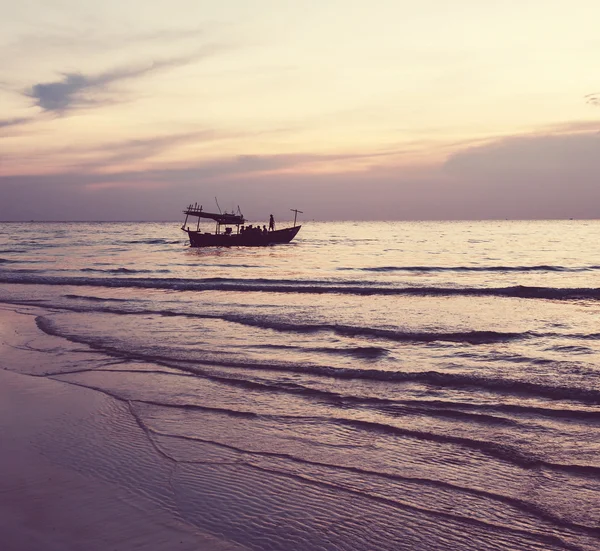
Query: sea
pixel 369 386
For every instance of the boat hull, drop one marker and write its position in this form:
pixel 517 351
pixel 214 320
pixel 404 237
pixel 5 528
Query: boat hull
pixel 247 239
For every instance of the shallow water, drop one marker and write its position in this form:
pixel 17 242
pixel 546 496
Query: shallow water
pixel 368 386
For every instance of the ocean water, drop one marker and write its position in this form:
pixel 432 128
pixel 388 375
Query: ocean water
pixel 405 386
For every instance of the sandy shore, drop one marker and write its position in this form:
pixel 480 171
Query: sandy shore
pixel 73 465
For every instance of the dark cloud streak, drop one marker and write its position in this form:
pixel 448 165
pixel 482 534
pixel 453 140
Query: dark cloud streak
pixel 531 156
pixel 527 177
pixel 18 121
pixel 593 99
pixel 73 90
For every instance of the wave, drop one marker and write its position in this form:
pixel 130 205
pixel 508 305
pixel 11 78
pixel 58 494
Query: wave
pixel 19 260
pixel 443 380
pixel 98 299
pixel 364 352
pixel 157 435
pixel 430 378
pixel 572 349
pixel 474 337
pixel 322 287
pixel 502 408
pixel 538 268
pixel 487 413
pixel 494 449
pixel 529 507
pixel 504 452
pixel 154 241
pixel 123 271
pixel 470 337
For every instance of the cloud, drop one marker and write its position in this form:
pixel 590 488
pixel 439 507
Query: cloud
pixel 90 41
pixel 124 152
pixel 77 89
pixel 125 155
pixel 571 127
pixel 94 40
pixel 531 155
pixel 593 99
pixel 59 96
pixel 233 168
pixel 161 194
pixel 526 177
pixel 128 157
pixel 18 121
pixel 535 176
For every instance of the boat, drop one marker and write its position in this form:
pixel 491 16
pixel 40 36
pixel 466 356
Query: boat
pixel 232 231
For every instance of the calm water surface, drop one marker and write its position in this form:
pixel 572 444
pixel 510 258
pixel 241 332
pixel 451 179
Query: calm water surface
pixel 368 386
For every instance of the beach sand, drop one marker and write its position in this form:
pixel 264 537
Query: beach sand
pixel 76 471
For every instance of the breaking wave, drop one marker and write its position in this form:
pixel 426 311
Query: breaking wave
pixel 468 337
pixel 431 377
pixel 539 268
pixel 315 287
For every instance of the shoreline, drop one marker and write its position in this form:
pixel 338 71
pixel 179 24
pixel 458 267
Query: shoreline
pixel 57 457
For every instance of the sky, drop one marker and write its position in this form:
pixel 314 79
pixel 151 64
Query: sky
pixel 344 109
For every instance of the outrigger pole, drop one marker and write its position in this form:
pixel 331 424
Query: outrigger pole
pixel 296 211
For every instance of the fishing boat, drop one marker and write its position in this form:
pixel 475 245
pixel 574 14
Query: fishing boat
pixel 231 230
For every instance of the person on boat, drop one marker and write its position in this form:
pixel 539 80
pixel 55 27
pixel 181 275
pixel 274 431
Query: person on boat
pixel 271 223
pixel 264 230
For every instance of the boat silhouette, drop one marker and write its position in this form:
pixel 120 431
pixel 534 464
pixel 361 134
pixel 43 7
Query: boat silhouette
pixel 231 230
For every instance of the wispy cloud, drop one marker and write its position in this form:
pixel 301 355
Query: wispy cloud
pixel 83 174
pixel 89 40
pixel 129 151
pixel 511 178
pixel 593 99
pixel 160 192
pixel 18 121
pixel 93 41
pixel 75 90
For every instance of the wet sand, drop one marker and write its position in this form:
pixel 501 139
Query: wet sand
pixel 58 492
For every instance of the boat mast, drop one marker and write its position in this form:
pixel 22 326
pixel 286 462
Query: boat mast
pixel 296 211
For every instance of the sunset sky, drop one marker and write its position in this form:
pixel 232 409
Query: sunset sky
pixel 345 109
